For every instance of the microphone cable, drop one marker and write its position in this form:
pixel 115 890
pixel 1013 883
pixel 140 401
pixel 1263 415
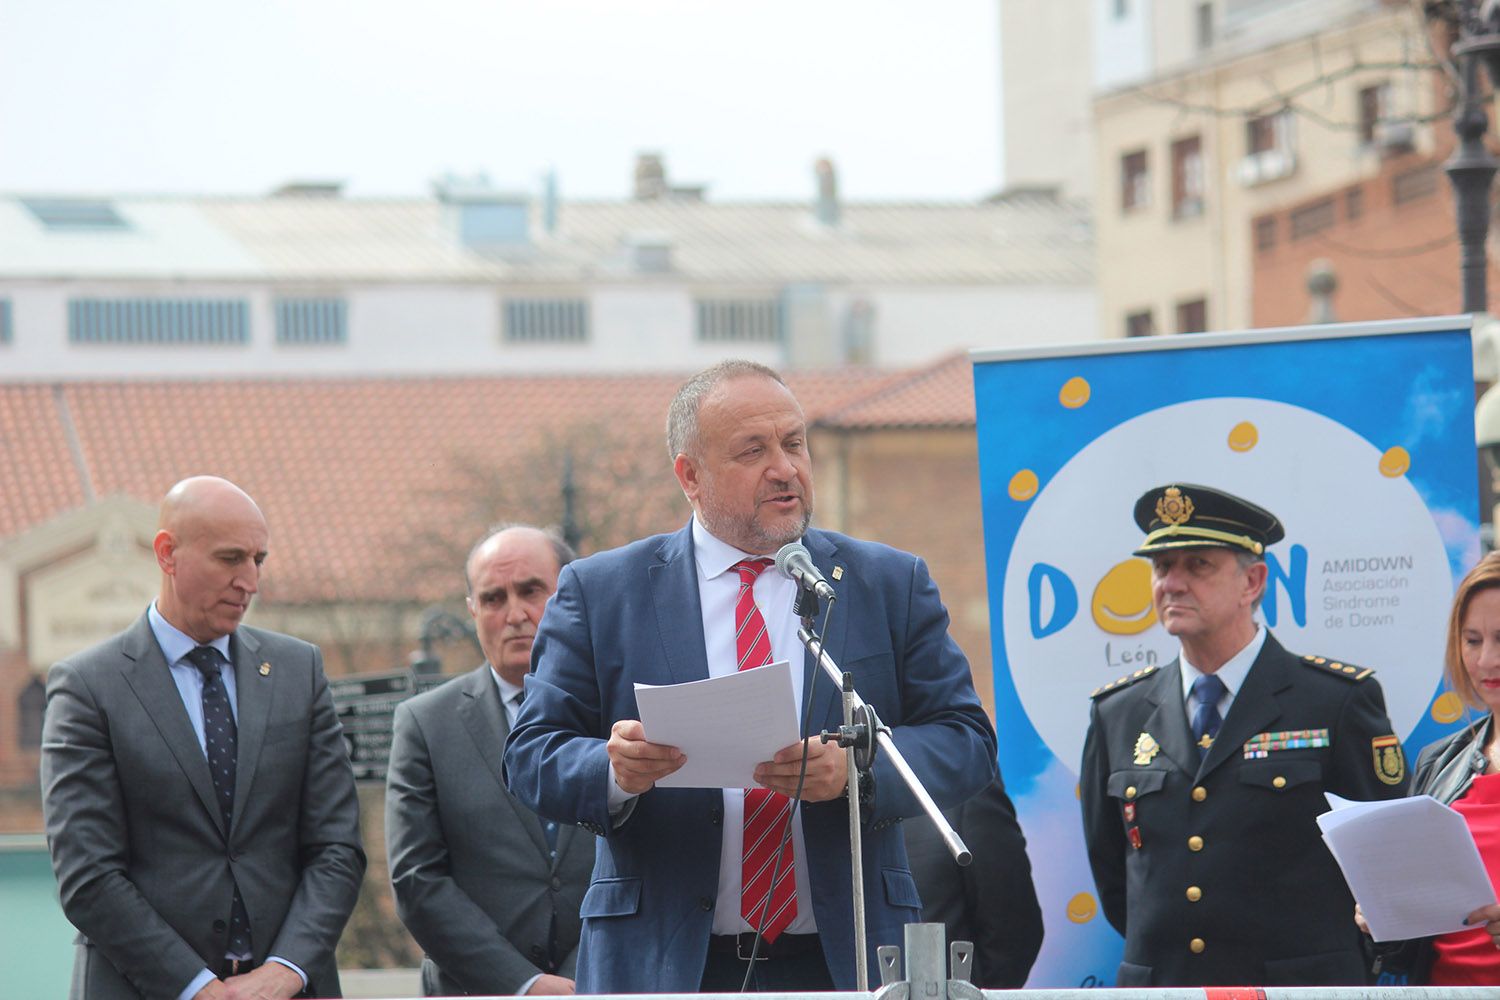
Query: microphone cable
pixel 809 686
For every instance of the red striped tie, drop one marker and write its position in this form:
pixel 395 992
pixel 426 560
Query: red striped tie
pixel 767 813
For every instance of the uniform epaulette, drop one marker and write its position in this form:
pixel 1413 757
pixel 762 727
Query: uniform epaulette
pixel 1124 682
pixel 1347 671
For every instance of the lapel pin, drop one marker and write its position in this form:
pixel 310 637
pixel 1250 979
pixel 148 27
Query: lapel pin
pixel 838 573
pixel 265 670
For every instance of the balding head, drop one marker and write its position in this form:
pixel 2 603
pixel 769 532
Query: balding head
pixel 210 542
pixel 511 572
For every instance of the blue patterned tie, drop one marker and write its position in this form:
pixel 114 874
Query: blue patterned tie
pixel 1206 720
pixel 221 740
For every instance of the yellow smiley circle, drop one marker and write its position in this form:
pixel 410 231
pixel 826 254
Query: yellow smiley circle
pixel 1447 707
pixel 1243 436
pixel 1122 600
pixel 1023 485
pixel 1394 462
pixel 1081 908
pixel 1075 392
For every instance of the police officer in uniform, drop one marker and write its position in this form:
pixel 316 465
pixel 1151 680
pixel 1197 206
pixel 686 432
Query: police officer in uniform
pixel 1201 780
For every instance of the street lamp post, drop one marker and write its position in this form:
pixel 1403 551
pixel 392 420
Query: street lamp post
pixel 1471 168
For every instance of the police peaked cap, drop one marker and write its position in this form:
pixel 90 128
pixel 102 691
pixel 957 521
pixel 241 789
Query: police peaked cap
pixel 1182 515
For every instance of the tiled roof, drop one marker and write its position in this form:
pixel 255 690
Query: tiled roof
pixel 369 485
pixel 938 395
pixel 301 239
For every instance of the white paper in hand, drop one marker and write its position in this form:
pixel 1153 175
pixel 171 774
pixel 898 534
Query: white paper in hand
pixel 723 725
pixel 1410 863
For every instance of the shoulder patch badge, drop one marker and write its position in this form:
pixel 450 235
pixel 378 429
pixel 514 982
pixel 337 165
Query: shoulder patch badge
pixel 1390 762
pixel 1347 671
pixel 1124 682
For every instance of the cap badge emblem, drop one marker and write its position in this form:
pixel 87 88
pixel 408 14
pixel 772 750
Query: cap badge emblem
pixel 1174 507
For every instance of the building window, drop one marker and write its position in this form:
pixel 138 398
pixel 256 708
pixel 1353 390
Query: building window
pixel 1269 151
pixel 1265 233
pixel 739 320
pixel 1410 185
pixel 30 707
pixel 546 321
pixel 1140 324
pixel 158 321
pixel 1187 178
pixel 1312 218
pixel 74 214
pixel 1354 204
pixel 1204 23
pixel 5 330
pixel 1135 181
pixel 311 321
pixel 1373 103
pixel 1192 316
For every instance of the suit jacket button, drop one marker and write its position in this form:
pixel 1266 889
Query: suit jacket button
pixel 218 927
pixel 1195 843
pixel 1278 781
pixel 537 952
pixel 1196 946
pixel 557 883
pixel 705 904
pixel 717 816
pixel 1194 893
pixel 1200 793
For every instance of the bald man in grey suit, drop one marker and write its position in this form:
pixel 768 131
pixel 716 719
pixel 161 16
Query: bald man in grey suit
pixel 199 802
pixel 489 890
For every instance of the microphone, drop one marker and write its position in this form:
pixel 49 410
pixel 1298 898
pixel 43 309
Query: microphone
pixel 796 562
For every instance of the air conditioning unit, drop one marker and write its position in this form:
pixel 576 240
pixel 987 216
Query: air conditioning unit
pixel 1266 166
pixel 1395 137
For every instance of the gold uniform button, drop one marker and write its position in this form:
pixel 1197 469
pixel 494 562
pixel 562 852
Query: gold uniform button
pixel 1195 843
pixel 1130 792
pixel 1278 782
pixel 1196 946
pixel 1194 893
pixel 1200 793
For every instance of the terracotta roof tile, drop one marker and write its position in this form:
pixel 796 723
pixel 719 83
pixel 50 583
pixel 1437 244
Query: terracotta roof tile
pixel 938 395
pixel 369 485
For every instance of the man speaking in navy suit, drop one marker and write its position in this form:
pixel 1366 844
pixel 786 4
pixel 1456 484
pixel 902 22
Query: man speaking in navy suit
pixel 684 876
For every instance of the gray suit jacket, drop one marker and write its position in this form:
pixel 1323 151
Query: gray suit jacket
pixel 145 869
pixel 470 865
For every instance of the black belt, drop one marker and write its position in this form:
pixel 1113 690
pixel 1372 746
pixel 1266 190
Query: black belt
pixel 785 945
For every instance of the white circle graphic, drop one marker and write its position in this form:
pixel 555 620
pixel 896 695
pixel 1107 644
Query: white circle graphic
pixel 1362 565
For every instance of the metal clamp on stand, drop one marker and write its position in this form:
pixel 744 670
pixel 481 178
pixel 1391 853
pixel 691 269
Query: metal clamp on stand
pixel 925 975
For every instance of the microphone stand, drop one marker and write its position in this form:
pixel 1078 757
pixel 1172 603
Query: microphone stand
pixel 859 736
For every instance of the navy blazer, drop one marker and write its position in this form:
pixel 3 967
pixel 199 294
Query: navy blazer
pixel 633 614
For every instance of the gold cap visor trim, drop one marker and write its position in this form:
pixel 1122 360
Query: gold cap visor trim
pixel 1181 536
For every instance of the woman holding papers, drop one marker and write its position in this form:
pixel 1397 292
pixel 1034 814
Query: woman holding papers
pixel 1463 770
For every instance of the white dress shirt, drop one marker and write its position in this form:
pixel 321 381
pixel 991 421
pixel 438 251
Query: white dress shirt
pixel 1232 673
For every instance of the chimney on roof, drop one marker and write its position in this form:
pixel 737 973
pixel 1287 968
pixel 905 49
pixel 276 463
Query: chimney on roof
pixel 309 189
pixel 549 203
pixel 483 217
pixel 826 208
pixel 650 177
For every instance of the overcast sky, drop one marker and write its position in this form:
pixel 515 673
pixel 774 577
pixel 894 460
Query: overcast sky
pixel 207 96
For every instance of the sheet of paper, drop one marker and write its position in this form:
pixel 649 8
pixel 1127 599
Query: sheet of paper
pixel 1410 863
pixel 725 725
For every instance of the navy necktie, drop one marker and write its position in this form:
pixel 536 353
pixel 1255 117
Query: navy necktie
pixel 1206 720
pixel 221 741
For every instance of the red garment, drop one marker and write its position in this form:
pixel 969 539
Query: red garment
pixel 767 813
pixel 1470 958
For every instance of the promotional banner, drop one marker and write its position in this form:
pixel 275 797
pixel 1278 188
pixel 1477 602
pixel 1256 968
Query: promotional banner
pixel 1359 437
